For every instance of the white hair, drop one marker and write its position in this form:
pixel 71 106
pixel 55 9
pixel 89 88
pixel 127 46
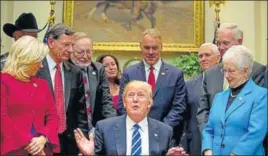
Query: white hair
pixel 212 46
pixel 240 56
pixel 237 32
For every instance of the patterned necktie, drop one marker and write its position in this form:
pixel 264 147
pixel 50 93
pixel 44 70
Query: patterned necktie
pixel 151 78
pixel 59 99
pixel 87 98
pixel 136 141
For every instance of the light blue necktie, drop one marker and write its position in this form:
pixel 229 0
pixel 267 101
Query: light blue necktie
pixel 136 141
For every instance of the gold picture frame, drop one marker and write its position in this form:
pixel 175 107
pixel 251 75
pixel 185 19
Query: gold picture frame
pixel 197 37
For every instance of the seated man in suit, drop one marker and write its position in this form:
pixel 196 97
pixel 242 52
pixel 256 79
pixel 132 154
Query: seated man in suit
pixel 166 80
pixel 98 99
pixel 209 56
pixel 133 133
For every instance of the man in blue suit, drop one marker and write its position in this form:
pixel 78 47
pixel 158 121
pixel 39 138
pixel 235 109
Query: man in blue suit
pixel 134 133
pixel 209 56
pixel 167 82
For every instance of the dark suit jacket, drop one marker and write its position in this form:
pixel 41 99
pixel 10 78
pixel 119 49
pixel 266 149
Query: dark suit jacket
pixel 100 97
pixel 3 60
pixel 169 94
pixel 191 140
pixel 110 137
pixel 75 106
pixel 213 84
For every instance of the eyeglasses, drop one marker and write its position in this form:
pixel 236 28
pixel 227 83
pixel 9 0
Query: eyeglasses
pixel 228 71
pixel 83 52
pixel 204 55
pixel 65 45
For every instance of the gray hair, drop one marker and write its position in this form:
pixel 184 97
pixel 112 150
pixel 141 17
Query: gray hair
pixel 80 35
pixel 241 55
pixel 237 32
pixel 212 46
pixel 58 29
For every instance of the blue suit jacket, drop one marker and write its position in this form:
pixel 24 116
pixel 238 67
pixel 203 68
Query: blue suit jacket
pixel 110 137
pixel 191 140
pixel 242 128
pixel 169 94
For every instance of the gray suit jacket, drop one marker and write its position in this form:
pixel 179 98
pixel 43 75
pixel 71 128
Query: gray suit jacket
pixel 213 84
pixel 100 97
pixel 110 137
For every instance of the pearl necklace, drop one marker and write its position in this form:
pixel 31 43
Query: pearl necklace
pixel 233 95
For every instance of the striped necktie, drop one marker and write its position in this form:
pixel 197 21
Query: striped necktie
pixel 136 141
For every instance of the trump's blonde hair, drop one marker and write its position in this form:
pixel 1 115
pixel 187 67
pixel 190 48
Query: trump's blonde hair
pixel 139 84
pixel 25 52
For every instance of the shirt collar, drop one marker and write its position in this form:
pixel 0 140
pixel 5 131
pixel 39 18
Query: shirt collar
pixel 130 123
pixel 156 66
pixel 51 63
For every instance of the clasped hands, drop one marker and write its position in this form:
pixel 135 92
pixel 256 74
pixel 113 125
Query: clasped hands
pixel 87 146
pixel 36 146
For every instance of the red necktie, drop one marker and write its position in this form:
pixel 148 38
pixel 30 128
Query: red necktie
pixel 151 78
pixel 59 99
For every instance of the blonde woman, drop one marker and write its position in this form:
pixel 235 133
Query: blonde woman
pixel 29 119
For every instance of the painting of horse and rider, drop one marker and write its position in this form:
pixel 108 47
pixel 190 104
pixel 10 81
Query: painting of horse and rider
pixel 124 21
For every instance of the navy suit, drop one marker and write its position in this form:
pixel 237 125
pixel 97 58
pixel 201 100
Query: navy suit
pixel 168 96
pixel 110 137
pixel 191 140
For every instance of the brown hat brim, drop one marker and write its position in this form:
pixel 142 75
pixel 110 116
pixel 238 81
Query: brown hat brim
pixel 9 29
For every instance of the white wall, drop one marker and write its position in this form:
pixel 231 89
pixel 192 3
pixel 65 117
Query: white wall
pixel 251 16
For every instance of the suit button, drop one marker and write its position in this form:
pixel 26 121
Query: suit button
pixel 222 145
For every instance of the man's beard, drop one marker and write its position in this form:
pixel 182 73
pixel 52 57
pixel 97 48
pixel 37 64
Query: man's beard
pixel 80 64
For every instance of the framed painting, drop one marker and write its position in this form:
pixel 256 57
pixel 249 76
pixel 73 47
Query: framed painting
pixel 118 25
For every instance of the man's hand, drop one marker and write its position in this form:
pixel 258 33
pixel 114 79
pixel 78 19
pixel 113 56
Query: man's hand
pixel 36 146
pixel 178 151
pixel 86 146
pixel 208 152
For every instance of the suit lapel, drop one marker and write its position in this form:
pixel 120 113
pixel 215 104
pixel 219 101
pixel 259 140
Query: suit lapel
pixel 119 132
pixel 92 82
pixel 240 99
pixel 45 74
pixel 219 77
pixel 163 73
pixel 223 105
pixel 67 84
pixel 141 72
pixel 153 138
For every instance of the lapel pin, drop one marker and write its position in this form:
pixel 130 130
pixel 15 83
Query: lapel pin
pixel 35 85
pixel 94 73
pixel 163 73
pixel 155 135
pixel 240 98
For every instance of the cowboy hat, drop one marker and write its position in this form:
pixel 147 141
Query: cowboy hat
pixel 26 22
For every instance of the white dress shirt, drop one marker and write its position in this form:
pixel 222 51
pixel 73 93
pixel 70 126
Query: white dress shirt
pixel 156 66
pixel 52 70
pixel 143 132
